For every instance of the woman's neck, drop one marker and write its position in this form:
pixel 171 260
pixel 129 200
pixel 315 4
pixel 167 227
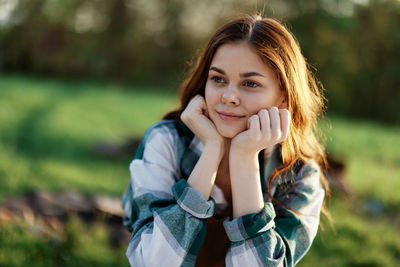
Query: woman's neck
pixel 225 158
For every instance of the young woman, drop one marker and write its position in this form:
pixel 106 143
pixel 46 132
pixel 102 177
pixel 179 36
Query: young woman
pixel 233 176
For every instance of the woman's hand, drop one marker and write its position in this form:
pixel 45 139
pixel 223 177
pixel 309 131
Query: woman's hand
pixel 195 116
pixel 265 129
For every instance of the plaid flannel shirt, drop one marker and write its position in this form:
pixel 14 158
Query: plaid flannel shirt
pixel 167 218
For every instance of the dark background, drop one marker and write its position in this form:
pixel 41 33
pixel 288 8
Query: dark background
pixel 353 46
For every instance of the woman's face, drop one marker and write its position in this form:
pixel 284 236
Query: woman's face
pixel 239 85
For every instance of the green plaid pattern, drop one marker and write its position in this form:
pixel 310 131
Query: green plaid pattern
pixel 168 219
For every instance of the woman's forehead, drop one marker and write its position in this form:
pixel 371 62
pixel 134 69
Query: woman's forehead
pixel 239 57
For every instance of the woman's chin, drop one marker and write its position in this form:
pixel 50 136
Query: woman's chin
pixel 228 133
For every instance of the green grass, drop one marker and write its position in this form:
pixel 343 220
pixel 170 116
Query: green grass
pixel 81 245
pixel 372 153
pixel 48 128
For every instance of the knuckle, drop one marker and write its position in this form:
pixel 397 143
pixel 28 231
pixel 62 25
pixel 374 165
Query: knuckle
pixel 274 110
pixel 185 116
pixel 276 134
pixel 285 112
pixel 263 112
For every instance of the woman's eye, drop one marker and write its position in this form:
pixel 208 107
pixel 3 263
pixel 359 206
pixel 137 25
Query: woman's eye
pixel 251 84
pixel 217 79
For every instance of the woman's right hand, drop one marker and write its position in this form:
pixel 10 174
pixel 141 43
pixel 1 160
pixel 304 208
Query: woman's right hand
pixel 195 116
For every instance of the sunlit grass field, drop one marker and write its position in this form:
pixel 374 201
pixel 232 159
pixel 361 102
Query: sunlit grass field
pixel 48 128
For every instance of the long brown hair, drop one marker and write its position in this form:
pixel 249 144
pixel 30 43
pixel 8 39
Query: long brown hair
pixel 278 48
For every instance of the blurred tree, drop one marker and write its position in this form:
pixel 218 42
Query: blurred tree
pixel 375 75
pixel 356 54
pixel 353 45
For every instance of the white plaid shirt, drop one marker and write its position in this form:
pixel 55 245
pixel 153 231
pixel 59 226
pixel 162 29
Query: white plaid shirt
pixel 168 218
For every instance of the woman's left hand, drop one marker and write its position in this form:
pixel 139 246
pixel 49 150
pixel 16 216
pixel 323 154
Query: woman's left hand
pixel 264 129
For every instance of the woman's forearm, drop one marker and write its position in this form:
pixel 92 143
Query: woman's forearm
pixel 203 175
pixel 245 183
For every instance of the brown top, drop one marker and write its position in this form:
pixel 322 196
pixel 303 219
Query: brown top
pixel 216 244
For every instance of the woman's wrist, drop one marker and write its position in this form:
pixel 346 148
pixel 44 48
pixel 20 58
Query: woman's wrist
pixel 241 154
pixel 204 173
pixel 239 160
pixel 214 148
pixel 245 182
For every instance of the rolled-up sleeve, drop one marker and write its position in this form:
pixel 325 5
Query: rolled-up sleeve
pixel 279 235
pixel 166 216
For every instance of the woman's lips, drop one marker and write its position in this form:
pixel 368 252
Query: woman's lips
pixel 229 117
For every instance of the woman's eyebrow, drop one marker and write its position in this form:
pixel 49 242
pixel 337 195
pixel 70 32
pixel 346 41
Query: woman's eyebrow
pixel 249 74
pixel 242 75
pixel 217 70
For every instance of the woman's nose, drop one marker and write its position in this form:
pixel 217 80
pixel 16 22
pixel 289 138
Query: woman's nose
pixel 230 96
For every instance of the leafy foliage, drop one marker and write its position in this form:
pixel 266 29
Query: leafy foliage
pixel 352 44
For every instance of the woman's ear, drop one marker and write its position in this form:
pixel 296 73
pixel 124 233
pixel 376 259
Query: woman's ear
pixel 283 103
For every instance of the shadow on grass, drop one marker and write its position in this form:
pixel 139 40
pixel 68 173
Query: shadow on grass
pixel 56 160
